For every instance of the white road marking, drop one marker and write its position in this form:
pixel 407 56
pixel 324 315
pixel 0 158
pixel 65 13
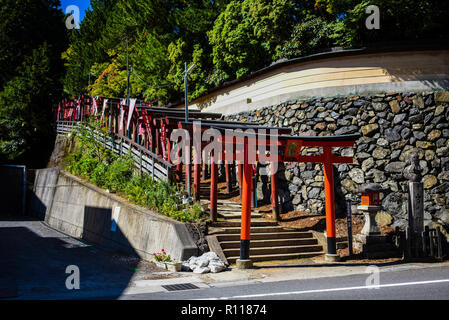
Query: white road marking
pixel 330 290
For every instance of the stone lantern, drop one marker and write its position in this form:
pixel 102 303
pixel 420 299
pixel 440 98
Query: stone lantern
pixel 369 241
pixel 370 206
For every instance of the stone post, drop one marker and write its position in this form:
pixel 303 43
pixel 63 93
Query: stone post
pixel 415 196
pixel 415 246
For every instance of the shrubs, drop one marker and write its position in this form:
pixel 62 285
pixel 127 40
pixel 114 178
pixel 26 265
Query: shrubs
pixel 91 161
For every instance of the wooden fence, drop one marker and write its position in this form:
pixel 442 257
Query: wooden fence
pixel 146 161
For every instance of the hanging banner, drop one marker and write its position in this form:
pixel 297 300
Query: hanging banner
pixel 94 105
pixel 132 103
pixel 146 121
pixel 105 103
pixel 122 115
pixel 78 109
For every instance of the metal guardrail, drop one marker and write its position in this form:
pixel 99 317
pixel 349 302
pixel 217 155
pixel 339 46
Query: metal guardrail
pixel 145 160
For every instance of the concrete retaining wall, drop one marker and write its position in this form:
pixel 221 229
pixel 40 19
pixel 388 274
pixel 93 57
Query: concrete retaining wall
pixel 85 211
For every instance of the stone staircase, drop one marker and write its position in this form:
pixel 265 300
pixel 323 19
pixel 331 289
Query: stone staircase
pixel 269 241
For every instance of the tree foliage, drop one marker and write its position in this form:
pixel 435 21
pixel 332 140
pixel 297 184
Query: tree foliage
pixel 311 36
pixel 226 39
pixel 246 34
pixel 32 37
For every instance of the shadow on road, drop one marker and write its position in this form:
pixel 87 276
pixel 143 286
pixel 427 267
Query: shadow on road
pixel 34 258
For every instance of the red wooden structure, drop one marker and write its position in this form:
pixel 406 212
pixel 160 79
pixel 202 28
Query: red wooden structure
pixel 288 150
pixel 152 128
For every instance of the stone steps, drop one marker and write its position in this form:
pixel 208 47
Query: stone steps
pixel 256 229
pixel 262 236
pixel 232 211
pixel 257 251
pixel 238 216
pixel 236 223
pixel 273 257
pixel 269 241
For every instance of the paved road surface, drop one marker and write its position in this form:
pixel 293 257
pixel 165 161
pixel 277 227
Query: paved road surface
pixel 34 258
pixel 394 284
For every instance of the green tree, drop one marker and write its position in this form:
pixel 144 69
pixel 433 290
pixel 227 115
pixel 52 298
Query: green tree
pixel 225 39
pixel 400 21
pixel 25 109
pixel 308 37
pixel 161 35
pixel 87 48
pixel 24 26
pixel 245 36
pixel 32 37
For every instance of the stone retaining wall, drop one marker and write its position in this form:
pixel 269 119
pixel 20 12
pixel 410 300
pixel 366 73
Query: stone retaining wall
pixel 392 126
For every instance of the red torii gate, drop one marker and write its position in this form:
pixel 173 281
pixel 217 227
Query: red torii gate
pixel 172 123
pixel 117 110
pixel 206 124
pixel 161 129
pixel 289 150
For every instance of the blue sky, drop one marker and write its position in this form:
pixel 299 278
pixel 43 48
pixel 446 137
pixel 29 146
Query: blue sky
pixel 81 4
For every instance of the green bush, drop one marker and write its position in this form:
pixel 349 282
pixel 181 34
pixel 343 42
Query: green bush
pixel 118 174
pixel 99 174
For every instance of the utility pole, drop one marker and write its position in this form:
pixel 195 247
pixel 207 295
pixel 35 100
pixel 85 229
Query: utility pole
pixel 186 102
pixel 186 74
pixel 127 80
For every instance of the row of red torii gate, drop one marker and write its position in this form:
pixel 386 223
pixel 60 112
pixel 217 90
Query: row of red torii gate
pixel 235 143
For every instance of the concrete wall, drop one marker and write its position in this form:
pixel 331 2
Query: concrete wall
pixel 329 75
pixel 85 211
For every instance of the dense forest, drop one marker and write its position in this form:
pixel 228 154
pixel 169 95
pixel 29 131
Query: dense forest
pixel 42 60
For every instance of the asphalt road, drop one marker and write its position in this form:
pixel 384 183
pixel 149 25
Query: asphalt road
pixel 34 260
pixel 429 283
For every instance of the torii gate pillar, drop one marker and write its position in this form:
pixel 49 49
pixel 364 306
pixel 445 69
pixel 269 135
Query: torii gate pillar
pixel 274 193
pixel 247 177
pixel 328 167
